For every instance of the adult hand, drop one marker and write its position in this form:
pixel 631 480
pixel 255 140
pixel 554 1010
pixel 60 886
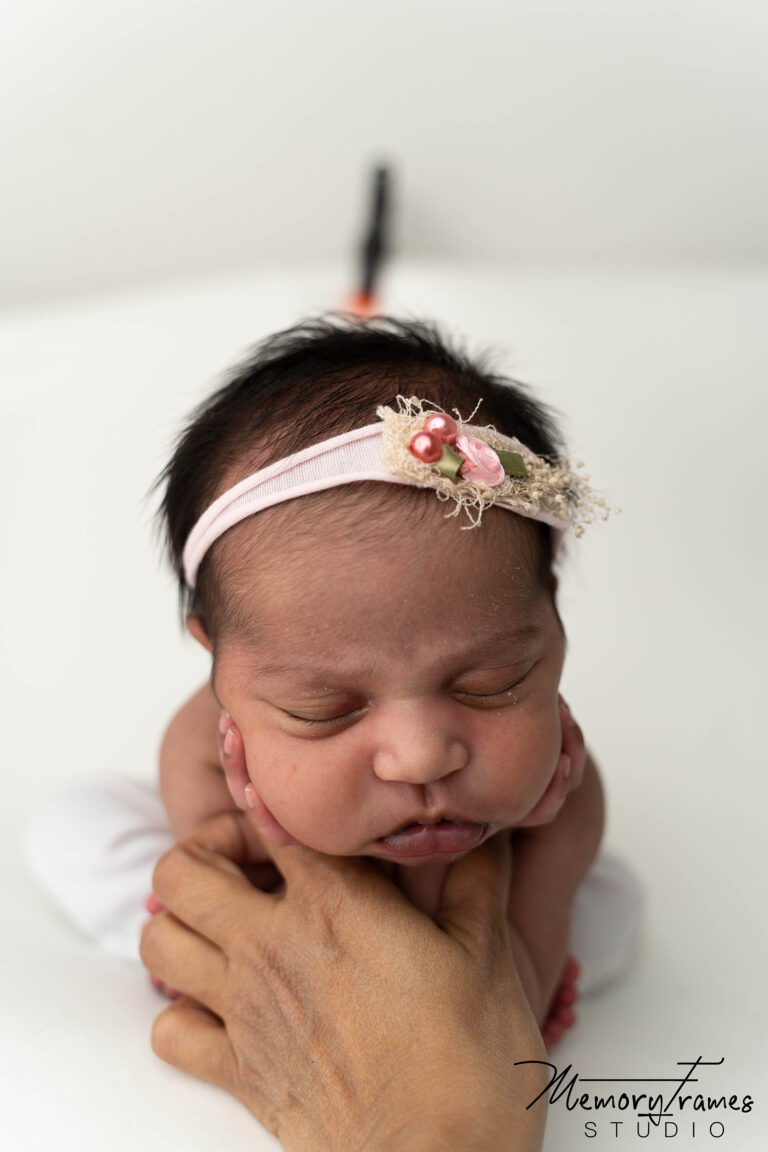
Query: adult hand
pixel 335 1011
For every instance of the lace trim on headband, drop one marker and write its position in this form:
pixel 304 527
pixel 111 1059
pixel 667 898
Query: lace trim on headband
pixel 554 491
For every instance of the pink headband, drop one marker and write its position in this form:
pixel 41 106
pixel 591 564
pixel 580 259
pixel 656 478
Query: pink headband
pixel 420 446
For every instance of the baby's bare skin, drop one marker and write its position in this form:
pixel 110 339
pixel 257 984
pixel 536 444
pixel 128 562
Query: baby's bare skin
pixel 192 781
pixel 551 858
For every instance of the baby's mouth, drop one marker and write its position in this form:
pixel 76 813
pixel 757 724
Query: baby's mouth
pixel 440 836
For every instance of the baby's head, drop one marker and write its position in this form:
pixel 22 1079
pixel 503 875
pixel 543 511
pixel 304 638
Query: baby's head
pixel 395 678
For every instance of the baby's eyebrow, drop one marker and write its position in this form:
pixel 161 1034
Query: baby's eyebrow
pixel 491 639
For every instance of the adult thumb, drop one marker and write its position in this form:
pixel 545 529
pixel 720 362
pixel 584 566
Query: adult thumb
pixel 475 894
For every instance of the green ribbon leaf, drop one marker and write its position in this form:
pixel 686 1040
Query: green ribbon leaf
pixel 449 463
pixel 512 463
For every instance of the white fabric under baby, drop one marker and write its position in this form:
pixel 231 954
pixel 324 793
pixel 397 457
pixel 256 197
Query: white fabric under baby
pixel 93 847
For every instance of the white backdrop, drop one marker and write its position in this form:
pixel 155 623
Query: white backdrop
pixel 207 164
pixel 162 137
pixel 662 378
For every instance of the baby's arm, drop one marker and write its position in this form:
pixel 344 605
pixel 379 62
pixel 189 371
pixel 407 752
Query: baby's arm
pixel 192 782
pixel 550 861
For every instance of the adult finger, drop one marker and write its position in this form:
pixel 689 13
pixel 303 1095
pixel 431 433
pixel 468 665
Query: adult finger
pixel 199 880
pixel 232 837
pixel 184 960
pixel 192 1039
pixel 476 893
pixel 303 867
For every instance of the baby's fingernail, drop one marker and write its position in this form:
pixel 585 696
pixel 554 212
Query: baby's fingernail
pixel 229 742
pixel 567 767
pixel 250 795
pixel 224 720
pixel 566 714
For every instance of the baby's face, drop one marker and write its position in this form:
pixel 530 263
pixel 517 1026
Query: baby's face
pixel 397 693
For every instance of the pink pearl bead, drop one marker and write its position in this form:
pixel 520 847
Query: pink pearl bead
pixel 426 446
pixel 442 425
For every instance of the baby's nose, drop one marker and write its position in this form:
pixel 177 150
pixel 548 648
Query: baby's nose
pixel 417 747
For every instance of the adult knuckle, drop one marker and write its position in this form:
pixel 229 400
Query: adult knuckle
pixel 246 943
pixel 325 927
pixel 272 962
pixel 282 972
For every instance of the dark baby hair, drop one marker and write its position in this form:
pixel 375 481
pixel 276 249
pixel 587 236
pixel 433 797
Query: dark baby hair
pixel 317 379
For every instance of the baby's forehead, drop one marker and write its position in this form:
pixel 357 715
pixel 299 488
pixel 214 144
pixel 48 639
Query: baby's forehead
pixel 357 517
pixel 402 561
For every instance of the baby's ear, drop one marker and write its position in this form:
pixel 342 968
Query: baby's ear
pixel 196 628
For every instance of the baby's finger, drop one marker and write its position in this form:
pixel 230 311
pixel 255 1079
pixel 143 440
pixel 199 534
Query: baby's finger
pixel 572 745
pixel 171 993
pixel 231 749
pixel 553 799
pixel 224 722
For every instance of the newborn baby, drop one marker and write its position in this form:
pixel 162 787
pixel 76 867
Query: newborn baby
pixel 388 675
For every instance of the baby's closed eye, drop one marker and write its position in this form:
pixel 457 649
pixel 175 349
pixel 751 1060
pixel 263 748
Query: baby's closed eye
pixel 478 691
pixel 496 688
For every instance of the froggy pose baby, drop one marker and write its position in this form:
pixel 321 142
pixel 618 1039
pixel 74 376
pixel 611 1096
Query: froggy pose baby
pixel 364 524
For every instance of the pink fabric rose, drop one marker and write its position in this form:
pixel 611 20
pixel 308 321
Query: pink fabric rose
pixel 482 464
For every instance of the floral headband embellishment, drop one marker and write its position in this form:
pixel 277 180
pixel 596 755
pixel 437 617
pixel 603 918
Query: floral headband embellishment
pixel 418 445
pixel 472 459
pixel 477 467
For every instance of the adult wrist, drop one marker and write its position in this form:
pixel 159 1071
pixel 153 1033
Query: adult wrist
pixel 473 1128
pixel 476 1118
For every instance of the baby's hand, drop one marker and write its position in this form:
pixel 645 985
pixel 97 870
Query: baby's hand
pixel 260 871
pixel 232 758
pixel 567 775
pixel 198 740
pixel 573 746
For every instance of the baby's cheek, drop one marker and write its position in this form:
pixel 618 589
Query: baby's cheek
pixel 532 754
pixel 300 798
